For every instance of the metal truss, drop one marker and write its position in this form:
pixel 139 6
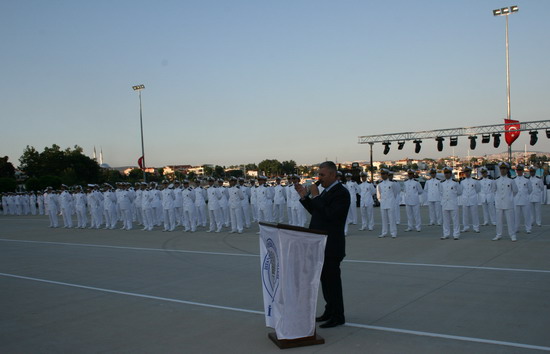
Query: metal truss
pixel 454 132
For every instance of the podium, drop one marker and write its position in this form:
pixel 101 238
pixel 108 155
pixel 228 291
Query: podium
pixel 291 263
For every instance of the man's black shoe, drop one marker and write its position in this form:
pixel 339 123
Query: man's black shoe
pixel 322 318
pixel 332 323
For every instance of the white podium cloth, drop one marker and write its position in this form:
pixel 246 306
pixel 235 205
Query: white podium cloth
pixel 291 264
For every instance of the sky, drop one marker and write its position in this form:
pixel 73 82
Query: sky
pixel 232 82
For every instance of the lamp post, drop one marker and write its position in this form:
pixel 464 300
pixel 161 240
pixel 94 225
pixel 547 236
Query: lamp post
pixel 506 11
pixel 138 88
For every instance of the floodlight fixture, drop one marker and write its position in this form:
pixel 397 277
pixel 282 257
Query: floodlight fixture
pixel 497 12
pixel 485 138
pixel 514 8
pixel 454 141
pixel 472 142
pixel 534 137
pixel 496 140
pixel 505 10
pixel 138 87
pixel 439 140
pixel 548 133
pixel 386 147
pixel 417 146
pixel 400 145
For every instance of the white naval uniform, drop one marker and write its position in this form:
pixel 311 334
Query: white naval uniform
pixel 168 201
pixel 156 203
pixel 188 197
pixel 138 203
pixel 433 198
pixel 178 206
pixel 387 193
pixel 125 204
pixel 470 203
pixel 109 207
pixel 487 201
pixel 279 203
pixel 298 210
pixel 253 202
pixel 65 201
pixel 535 199
pixel 40 201
pixel 522 205
pixel 450 191
pixel 214 195
pixel 367 191
pixel 5 204
pixel 264 200
pixel 236 196
pixel 80 206
pixel 353 189
pixel 224 206
pixel 397 203
pixel 413 191
pixel 289 202
pixel 245 204
pixel 200 204
pixel 505 189
pixel 147 207
pixel 52 204
pixel 32 203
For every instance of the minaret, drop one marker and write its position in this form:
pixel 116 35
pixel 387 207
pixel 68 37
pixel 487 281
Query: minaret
pixel 95 155
pixel 101 156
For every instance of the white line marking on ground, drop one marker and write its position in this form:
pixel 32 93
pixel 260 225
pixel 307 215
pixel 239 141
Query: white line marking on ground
pixel 255 255
pixel 236 309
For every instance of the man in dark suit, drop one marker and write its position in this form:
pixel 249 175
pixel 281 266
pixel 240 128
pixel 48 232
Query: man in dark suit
pixel 329 211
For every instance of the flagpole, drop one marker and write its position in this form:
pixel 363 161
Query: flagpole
pixel 138 88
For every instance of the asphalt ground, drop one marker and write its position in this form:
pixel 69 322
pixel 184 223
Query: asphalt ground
pixel 90 291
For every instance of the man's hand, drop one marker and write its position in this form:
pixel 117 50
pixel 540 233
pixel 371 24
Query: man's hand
pixel 301 190
pixel 314 190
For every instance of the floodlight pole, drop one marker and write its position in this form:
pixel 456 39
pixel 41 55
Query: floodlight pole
pixel 509 115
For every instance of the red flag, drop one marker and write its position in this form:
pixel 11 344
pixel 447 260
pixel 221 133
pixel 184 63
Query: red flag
pixel 140 163
pixel 512 128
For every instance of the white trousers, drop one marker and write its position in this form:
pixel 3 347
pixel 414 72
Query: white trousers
pixel 265 213
pixel 448 216
pixel 216 221
pixel 236 219
pixel 246 212
pixel 169 219
pixel 470 211
pixel 367 217
pixel 352 213
pixel 434 209
pixel 189 218
pixel 81 217
pixel 489 213
pixel 148 219
pixel 279 212
pixel 510 221
pixel 201 214
pixel 54 220
pixel 525 211
pixel 67 212
pixel 289 214
pixel 413 217
pixel 254 208
pixel 535 213
pixel 388 222
pixel 298 215
pixel 126 218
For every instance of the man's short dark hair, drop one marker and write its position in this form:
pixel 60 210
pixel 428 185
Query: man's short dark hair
pixel 328 164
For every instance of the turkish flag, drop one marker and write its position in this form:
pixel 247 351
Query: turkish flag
pixel 140 163
pixel 512 128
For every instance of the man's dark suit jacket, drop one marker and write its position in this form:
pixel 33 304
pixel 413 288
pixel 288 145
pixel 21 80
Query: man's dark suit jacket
pixel 329 212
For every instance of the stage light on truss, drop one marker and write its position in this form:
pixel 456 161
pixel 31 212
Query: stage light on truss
pixel 440 141
pixel 548 133
pixel 454 141
pixel 400 145
pixel 473 139
pixel 417 146
pixel 386 147
pixel 496 140
pixel 485 138
pixel 534 137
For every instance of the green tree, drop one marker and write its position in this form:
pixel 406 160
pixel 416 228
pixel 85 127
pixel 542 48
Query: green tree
pixel 251 167
pixel 6 168
pixel 71 165
pixel 270 167
pixel 7 184
pixel 288 167
pixel 208 170
pixel 219 171
pixel 33 184
pixel 49 181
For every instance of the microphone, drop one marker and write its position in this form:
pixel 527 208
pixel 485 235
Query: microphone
pixel 317 183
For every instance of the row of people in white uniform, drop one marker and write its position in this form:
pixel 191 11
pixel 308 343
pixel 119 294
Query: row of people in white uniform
pixel 22 203
pixel 517 199
pixel 176 204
